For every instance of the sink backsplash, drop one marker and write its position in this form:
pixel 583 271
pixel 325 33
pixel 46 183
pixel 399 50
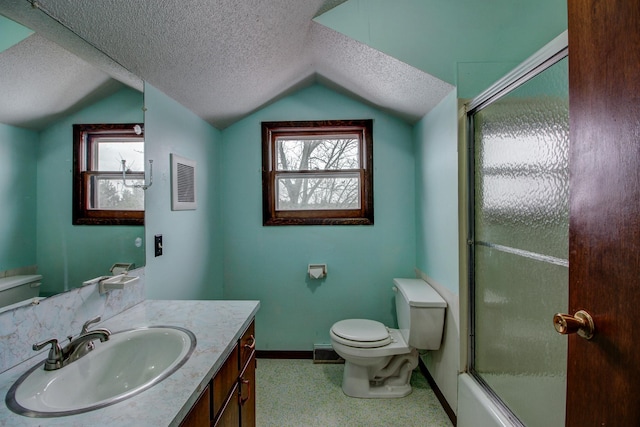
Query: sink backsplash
pixel 59 316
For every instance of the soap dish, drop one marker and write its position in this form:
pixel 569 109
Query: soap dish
pixel 116 282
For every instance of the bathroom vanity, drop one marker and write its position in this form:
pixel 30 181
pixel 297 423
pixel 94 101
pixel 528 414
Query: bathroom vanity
pixel 229 398
pixel 214 387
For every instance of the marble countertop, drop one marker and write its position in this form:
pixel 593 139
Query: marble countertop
pixel 217 326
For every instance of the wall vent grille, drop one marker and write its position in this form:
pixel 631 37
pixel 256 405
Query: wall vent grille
pixel 183 183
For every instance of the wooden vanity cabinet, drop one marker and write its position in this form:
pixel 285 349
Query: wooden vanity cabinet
pixel 229 399
pixel 225 392
pixel 247 392
pixel 234 402
pixel 247 379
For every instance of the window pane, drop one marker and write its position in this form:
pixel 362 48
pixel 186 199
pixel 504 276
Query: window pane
pixel 110 194
pixel 318 154
pixel 100 197
pixel 111 153
pixel 317 172
pixel 312 192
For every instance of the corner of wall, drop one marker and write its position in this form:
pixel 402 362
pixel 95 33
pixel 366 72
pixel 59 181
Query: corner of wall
pixel 443 364
pixel 191 265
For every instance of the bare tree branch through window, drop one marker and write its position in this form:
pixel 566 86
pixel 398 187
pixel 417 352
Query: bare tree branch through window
pixel 318 172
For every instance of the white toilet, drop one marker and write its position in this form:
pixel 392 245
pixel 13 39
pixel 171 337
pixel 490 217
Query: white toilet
pixel 379 360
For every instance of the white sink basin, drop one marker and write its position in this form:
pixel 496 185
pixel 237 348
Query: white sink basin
pixel 128 363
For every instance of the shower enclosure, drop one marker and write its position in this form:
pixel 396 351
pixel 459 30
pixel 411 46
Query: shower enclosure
pixel 518 243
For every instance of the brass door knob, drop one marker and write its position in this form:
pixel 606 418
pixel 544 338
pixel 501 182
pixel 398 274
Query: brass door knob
pixel 580 323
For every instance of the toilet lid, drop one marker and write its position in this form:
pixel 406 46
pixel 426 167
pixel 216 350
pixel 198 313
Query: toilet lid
pixel 367 332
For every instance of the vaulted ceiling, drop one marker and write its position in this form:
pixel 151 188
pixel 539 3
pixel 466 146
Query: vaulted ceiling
pixel 222 59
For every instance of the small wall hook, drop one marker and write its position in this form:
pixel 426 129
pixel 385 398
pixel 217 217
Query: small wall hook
pixel 143 186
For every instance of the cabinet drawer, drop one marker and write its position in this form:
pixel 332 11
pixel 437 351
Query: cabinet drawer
pixel 247 345
pixel 225 380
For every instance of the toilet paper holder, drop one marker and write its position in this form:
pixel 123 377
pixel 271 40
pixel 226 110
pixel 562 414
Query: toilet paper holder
pixel 317 271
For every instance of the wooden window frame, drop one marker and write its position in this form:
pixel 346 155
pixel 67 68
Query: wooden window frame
pixel 82 157
pixel 272 130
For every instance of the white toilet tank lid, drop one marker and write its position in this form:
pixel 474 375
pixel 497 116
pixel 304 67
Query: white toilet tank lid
pixel 361 330
pixel 13 281
pixel 419 293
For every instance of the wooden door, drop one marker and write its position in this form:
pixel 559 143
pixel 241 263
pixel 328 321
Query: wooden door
pixel 603 383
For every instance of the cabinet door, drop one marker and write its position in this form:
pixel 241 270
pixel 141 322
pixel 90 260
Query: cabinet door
pixel 247 393
pixel 200 413
pixel 229 416
pixel 225 382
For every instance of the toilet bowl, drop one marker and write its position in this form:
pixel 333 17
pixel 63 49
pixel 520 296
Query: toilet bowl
pixel 379 360
pixel 368 362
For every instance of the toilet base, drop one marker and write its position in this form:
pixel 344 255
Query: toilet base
pixel 363 382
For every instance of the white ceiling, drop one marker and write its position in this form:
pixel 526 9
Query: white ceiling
pixel 223 59
pixel 35 94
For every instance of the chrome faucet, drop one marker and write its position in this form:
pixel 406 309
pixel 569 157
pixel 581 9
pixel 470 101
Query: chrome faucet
pixel 60 357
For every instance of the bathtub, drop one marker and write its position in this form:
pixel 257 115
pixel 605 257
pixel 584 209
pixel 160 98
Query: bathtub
pixel 475 407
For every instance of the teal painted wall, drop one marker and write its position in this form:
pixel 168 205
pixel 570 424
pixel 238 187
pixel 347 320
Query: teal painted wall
pixel 18 148
pixel 436 141
pixel 69 254
pixel 436 157
pixel 467 43
pixel 11 33
pixel 270 263
pixel 191 266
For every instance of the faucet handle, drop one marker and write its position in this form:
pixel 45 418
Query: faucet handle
pixel 40 346
pixel 85 327
pixel 54 359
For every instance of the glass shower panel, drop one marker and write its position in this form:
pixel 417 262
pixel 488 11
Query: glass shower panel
pixel 522 173
pixel 518 353
pixel 521 222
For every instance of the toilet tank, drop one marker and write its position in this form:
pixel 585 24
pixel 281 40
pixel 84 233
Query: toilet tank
pixel 14 289
pixel 420 312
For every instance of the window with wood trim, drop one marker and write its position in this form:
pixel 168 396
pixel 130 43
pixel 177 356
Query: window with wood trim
pixel 317 172
pixel 100 154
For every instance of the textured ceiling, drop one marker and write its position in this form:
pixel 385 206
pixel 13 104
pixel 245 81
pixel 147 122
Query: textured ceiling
pixel 35 94
pixel 224 59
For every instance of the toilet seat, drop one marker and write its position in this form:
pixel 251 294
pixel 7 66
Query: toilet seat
pixel 361 333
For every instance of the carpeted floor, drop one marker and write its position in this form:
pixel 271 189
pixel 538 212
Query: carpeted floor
pixel 298 393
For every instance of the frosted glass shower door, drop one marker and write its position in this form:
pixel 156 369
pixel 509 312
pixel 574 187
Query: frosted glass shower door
pixel 520 246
